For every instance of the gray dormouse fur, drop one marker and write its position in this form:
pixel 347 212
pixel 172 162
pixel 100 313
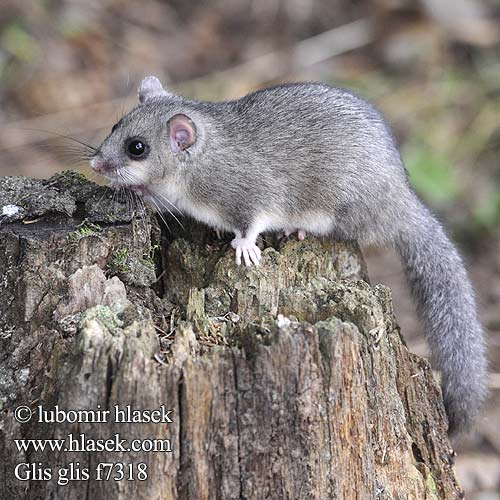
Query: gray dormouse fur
pixel 310 157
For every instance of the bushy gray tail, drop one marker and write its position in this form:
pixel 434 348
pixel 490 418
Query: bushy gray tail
pixel 446 305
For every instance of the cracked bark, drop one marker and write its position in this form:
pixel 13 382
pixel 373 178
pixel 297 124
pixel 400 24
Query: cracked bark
pixel 287 381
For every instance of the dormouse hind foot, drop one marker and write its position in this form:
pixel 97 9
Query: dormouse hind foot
pixel 301 234
pixel 248 249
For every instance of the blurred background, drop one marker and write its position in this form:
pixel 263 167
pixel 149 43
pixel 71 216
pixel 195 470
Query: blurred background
pixel 432 66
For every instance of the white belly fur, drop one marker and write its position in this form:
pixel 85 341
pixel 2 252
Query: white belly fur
pixel 315 222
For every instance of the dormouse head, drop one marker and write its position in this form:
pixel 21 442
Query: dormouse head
pixel 151 142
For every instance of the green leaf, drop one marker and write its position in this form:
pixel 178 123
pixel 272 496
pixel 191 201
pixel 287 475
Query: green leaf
pixel 487 213
pixel 16 40
pixel 431 175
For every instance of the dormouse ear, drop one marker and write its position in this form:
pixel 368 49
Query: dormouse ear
pixel 150 87
pixel 182 132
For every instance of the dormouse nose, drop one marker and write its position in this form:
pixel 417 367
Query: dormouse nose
pixel 101 165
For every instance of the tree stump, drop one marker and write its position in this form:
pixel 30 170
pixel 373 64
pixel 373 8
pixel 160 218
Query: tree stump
pixel 286 381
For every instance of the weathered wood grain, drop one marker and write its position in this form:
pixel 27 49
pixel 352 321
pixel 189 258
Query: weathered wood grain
pixel 289 381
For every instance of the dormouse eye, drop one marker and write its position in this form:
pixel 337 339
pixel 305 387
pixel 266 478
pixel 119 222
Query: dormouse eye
pixel 136 149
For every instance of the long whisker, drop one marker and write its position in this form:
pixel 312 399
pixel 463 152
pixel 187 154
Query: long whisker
pixel 127 200
pixel 125 178
pixel 72 157
pixel 171 204
pixel 60 148
pixel 142 207
pixel 113 201
pixel 161 203
pixel 158 211
pixel 132 206
pixel 104 194
pixel 82 143
pixel 92 176
pixel 135 205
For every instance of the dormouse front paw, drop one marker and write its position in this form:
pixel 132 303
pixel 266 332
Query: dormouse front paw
pixel 248 249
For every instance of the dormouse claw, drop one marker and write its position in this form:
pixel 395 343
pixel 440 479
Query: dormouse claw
pixel 249 250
